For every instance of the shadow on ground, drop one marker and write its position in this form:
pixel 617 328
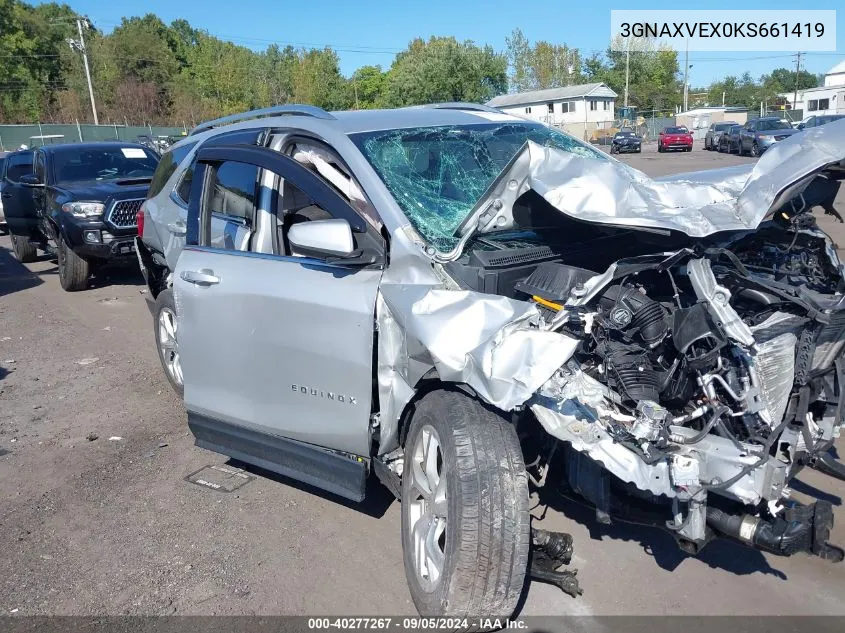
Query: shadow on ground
pixel 375 505
pixel 14 276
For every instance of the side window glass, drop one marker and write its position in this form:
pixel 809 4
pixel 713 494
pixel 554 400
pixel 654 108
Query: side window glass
pixel 183 189
pixel 231 205
pixel 295 207
pixel 18 165
pixel 166 166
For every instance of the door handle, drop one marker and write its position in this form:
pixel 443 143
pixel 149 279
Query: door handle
pixel 202 277
pixel 177 228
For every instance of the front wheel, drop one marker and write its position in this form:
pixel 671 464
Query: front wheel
pixel 74 270
pixel 24 250
pixel 465 522
pixel 755 150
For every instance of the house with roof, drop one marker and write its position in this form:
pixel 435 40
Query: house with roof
pixel 585 106
pixel 828 98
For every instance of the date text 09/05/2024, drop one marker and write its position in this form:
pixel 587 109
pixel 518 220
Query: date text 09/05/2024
pixel 414 623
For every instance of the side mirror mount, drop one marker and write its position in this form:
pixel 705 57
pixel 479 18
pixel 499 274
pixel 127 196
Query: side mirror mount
pixel 31 180
pixel 801 126
pixel 324 239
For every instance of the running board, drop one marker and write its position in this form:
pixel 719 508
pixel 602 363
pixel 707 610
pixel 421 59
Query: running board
pixel 334 472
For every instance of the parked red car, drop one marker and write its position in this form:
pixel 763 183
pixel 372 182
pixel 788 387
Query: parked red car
pixel 674 138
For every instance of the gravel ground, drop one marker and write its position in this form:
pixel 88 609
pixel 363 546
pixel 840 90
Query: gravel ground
pixel 97 517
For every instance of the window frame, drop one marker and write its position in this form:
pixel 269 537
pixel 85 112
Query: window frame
pixel 227 138
pixel 285 168
pixel 8 164
pixel 551 107
pixel 826 102
pixel 813 105
pixel 594 105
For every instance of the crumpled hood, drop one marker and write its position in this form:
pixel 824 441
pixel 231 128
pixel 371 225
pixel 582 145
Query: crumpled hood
pixel 697 204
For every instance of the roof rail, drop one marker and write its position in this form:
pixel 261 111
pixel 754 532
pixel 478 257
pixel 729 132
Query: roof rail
pixel 459 105
pixel 279 110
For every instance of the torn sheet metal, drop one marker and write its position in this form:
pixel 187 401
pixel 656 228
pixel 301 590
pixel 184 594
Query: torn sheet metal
pixel 491 343
pixel 697 204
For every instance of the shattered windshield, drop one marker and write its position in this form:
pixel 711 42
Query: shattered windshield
pixel 437 174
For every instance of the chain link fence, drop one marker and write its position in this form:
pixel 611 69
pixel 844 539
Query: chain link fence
pixel 13 136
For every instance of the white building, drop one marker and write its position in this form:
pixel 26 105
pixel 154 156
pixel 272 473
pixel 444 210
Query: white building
pixel 826 99
pixel 585 107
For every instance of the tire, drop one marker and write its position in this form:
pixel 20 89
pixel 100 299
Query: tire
pixel 659 148
pixel 165 327
pixel 24 251
pixel 482 538
pixel 755 150
pixel 74 270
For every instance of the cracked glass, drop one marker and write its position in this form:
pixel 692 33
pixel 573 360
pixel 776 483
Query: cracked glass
pixel 437 174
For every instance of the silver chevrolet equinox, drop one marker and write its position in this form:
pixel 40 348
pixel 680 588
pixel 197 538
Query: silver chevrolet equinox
pixel 476 307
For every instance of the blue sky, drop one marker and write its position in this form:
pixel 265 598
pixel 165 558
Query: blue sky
pixel 371 32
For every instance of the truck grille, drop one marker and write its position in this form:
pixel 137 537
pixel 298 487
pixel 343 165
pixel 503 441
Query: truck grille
pixel 122 213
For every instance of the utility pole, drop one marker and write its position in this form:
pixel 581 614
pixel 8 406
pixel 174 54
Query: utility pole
pixel 797 70
pixel 627 64
pixel 686 76
pixel 80 46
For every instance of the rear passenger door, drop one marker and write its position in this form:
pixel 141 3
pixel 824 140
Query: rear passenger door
pixel 276 345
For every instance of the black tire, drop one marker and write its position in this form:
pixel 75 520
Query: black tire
pixel 755 150
pixel 165 302
pixel 24 251
pixel 74 270
pixel 659 148
pixel 486 542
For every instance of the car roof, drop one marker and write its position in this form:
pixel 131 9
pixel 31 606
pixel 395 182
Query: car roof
pixel 348 122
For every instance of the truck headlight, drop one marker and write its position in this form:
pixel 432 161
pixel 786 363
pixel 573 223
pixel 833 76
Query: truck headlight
pixel 84 209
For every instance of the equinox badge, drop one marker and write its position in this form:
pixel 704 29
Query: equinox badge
pixel 319 393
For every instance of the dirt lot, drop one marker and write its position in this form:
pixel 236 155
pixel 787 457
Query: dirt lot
pixel 97 517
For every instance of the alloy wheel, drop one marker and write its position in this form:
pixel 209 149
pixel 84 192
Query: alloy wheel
pixel 427 507
pixel 168 344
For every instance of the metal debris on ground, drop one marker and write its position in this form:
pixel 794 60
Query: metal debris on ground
pixel 551 550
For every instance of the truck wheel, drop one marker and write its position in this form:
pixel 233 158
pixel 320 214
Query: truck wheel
pixel 465 522
pixel 73 269
pixel 164 314
pixel 24 251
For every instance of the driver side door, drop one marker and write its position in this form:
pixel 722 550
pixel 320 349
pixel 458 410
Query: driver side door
pixel 276 347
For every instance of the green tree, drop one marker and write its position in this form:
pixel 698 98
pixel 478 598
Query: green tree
pixel 653 75
pixel 543 65
pixel 368 87
pixel 443 69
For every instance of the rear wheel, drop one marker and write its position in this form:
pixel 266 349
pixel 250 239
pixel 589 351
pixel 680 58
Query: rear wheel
pixel 166 340
pixel 74 270
pixel 465 522
pixel 24 251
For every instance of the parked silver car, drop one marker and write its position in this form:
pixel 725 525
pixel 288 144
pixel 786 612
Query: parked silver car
pixel 470 305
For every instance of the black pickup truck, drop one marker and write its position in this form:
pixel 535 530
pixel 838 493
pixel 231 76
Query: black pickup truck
pixel 77 201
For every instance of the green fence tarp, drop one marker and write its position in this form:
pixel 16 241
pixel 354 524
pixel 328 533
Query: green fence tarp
pixel 13 136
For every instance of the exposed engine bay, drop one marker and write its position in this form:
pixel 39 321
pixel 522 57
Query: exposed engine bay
pixel 709 370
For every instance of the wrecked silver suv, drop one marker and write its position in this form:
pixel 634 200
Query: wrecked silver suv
pixel 470 305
